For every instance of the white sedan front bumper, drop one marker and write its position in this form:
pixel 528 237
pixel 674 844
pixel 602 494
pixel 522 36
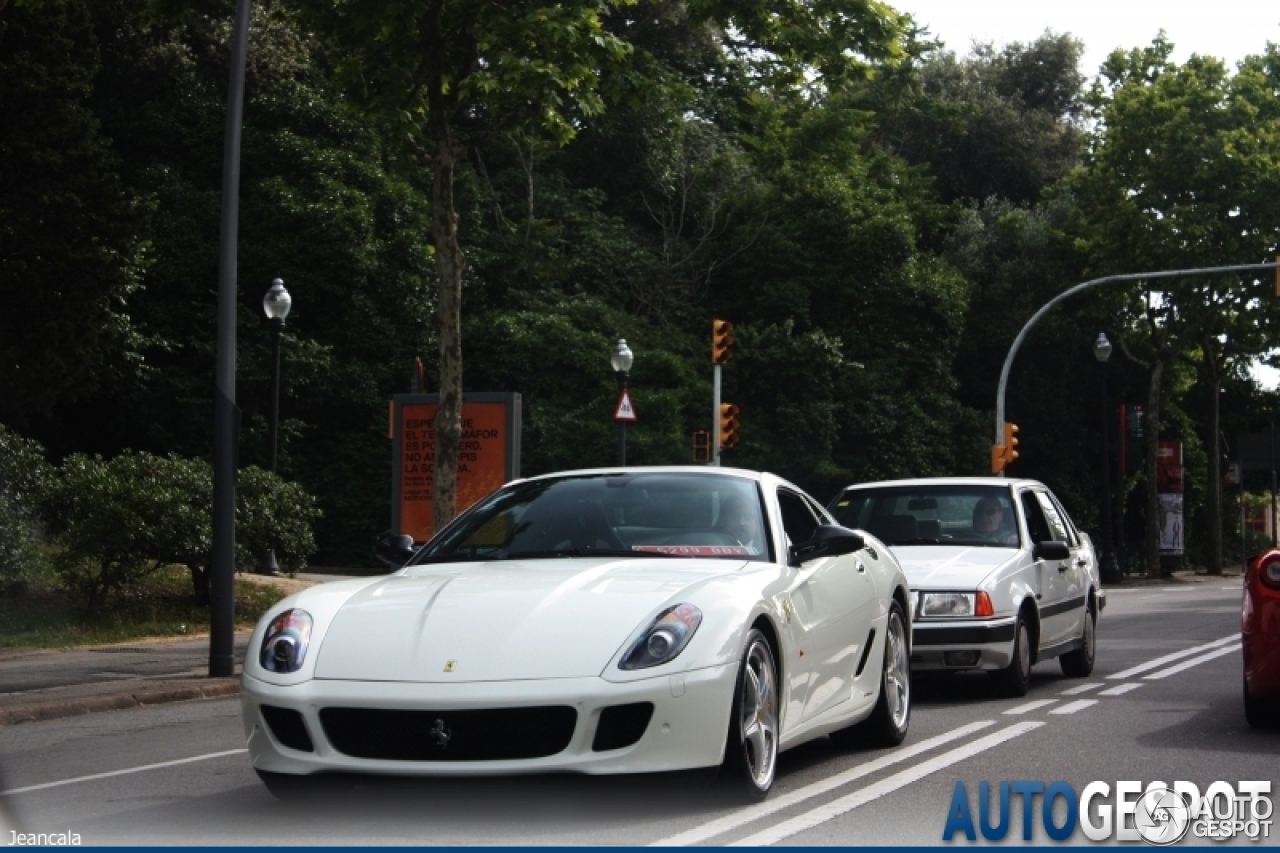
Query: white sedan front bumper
pixel 956 645
pixel 686 730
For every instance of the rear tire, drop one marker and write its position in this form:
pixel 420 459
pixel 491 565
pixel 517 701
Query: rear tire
pixel 284 786
pixel 1261 712
pixel 888 723
pixel 1079 663
pixel 1015 679
pixel 751 746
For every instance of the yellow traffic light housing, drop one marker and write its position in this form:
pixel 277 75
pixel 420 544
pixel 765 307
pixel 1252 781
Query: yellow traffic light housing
pixel 702 446
pixel 728 424
pixel 721 341
pixel 1004 453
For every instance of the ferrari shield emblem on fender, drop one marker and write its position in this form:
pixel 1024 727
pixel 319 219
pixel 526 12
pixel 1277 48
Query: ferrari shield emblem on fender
pixel 450 665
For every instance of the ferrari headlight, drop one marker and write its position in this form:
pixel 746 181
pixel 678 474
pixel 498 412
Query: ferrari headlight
pixel 665 639
pixel 946 604
pixel 284 646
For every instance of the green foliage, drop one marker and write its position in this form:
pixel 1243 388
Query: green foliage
pixel 23 476
pixel 273 513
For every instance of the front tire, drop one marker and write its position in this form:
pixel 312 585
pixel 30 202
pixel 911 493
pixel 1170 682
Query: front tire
pixel 751 747
pixel 888 723
pixel 1015 679
pixel 1079 663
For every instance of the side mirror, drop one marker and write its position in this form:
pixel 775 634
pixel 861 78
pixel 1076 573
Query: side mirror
pixel 829 540
pixel 394 548
pixel 1052 550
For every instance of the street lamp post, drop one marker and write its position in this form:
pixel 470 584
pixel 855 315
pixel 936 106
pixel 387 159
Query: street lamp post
pixel 621 361
pixel 276 303
pixel 1110 569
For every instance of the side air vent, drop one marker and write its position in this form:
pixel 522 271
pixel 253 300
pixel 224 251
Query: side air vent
pixel 866 652
pixel 288 728
pixel 621 726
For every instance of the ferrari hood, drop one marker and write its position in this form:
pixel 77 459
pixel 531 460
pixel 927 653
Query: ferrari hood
pixel 951 567
pixel 501 621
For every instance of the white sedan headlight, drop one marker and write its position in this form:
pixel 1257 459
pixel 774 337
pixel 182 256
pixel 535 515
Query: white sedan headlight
pixel 666 638
pixel 955 604
pixel 284 645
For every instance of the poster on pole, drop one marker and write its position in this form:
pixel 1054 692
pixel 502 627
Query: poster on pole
pixel 1169 487
pixel 488 455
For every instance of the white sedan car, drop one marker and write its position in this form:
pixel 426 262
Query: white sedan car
pixel 612 621
pixel 1002 578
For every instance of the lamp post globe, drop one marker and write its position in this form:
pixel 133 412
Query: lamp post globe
pixel 1108 565
pixel 621 362
pixel 276 304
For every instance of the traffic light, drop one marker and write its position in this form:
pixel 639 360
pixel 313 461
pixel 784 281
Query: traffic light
pixel 702 446
pixel 728 424
pixel 1004 453
pixel 721 341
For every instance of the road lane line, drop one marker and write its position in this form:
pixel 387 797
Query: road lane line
pixel 742 817
pixel 861 797
pixel 1158 662
pixel 1121 689
pixel 1031 706
pixel 1174 670
pixel 1083 688
pixel 1075 706
pixel 124 772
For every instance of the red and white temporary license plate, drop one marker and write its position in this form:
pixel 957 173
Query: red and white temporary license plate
pixel 696 550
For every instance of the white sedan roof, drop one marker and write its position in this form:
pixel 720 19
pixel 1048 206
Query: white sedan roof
pixel 949 481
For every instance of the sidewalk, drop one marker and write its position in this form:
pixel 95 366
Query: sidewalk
pixel 49 684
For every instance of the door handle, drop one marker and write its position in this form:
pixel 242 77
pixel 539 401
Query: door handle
pixel 1062 568
pixel 861 567
pixel 1081 562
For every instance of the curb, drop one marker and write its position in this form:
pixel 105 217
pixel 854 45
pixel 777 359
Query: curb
pixel 178 690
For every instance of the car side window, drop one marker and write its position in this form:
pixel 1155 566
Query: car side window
pixel 820 511
pixel 1072 532
pixel 1037 526
pixel 797 520
pixel 1057 527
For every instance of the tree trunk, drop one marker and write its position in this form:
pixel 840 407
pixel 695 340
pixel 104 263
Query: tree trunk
pixel 448 324
pixel 1151 425
pixel 200 584
pixel 1215 476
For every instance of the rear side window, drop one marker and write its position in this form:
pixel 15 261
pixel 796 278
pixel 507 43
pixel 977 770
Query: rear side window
pixel 1037 525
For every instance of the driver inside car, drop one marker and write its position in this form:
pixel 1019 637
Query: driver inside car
pixel 992 522
pixel 739 523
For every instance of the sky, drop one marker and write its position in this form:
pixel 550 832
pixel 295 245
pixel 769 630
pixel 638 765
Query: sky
pixel 1228 29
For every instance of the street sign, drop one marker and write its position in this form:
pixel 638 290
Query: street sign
pixel 624 411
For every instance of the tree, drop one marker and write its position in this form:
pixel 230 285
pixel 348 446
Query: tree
pixel 455 70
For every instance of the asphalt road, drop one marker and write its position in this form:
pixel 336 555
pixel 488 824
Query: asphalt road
pixel 1177 720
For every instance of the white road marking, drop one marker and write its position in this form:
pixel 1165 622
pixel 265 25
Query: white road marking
pixel 1083 688
pixel 1031 706
pixel 1121 689
pixel 1158 662
pixel 861 797
pixel 123 772
pixel 1174 670
pixel 1075 706
pixel 742 817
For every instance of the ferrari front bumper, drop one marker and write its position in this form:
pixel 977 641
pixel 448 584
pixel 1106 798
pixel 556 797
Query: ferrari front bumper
pixel 686 730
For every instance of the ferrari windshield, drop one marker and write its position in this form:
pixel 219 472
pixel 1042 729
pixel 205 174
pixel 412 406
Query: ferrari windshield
pixel 643 514
pixel 932 515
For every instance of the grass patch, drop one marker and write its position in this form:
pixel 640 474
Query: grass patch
pixel 162 605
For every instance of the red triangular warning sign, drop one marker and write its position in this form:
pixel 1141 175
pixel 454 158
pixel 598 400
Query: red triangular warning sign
pixel 624 411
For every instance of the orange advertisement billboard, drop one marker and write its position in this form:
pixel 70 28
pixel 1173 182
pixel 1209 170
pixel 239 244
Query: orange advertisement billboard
pixel 488 454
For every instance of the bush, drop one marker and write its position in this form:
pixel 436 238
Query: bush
pixel 23 475
pixel 272 512
pixel 119 520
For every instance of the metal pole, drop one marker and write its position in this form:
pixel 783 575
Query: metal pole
pixel 269 565
pixel 622 425
pixel 1110 569
pixel 1140 276
pixel 715 416
pixel 222 659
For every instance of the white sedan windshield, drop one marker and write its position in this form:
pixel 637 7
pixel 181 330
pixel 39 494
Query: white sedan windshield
pixel 932 515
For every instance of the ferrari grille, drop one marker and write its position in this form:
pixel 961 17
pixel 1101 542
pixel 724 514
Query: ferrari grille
pixel 491 734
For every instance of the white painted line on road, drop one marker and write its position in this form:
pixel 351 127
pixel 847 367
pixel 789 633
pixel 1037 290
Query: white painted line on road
pixel 742 817
pixel 1083 688
pixel 123 772
pixel 1121 689
pixel 1158 662
pixel 1075 706
pixel 1174 670
pixel 1031 706
pixel 861 797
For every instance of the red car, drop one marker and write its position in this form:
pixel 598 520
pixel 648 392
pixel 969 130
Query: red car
pixel 1260 634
